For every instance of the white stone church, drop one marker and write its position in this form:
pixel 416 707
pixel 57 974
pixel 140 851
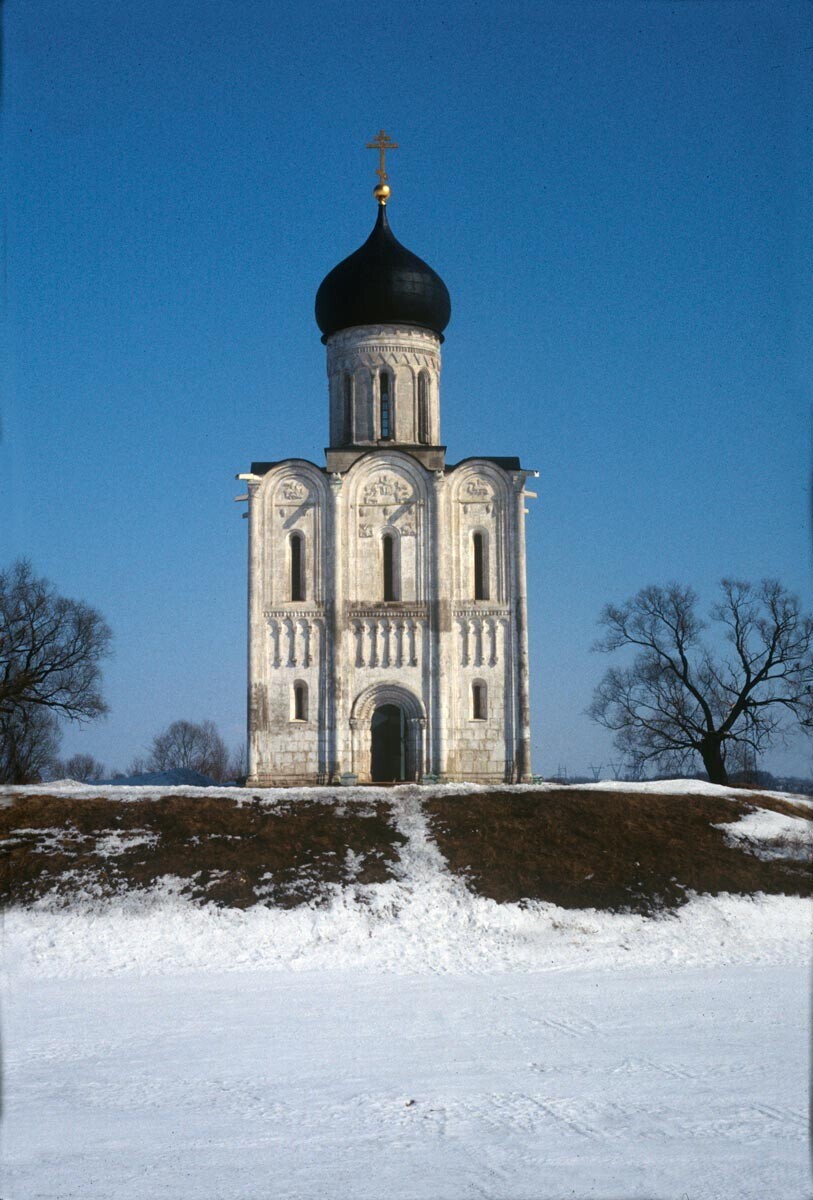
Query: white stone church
pixel 387 635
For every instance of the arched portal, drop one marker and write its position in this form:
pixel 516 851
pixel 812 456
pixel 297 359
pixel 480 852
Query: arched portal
pixel 387 727
pixel 388 745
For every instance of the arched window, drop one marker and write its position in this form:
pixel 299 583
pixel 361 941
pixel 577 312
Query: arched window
pixel 300 705
pixel 479 710
pixel 480 565
pixel 387 410
pixel 423 409
pixel 297 543
pixel 389 557
pixel 347 407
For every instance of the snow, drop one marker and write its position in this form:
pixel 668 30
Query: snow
pixel 153 787
pixel 771 835
pixel 355 1085
pixel 408 1040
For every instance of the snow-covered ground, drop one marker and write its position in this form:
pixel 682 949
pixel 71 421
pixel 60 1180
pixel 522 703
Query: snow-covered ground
pixel 645 1082
pixel 407 1040
pixel 772 834
pixel 170 783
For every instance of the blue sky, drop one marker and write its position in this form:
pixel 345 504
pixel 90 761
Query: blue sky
pixel 617 196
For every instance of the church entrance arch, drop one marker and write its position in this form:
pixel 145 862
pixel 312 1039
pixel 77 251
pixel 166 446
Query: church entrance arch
pixel 387 728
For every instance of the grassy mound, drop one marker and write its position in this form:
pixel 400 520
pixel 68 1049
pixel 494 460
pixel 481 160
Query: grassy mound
pixel 578 848
pixel 232 852
pixel 636 851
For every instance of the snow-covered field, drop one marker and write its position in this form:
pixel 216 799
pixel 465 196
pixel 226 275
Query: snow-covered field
pixel 646 1082
pixel 408 1040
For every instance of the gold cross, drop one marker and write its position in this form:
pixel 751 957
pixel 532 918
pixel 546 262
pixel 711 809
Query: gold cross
pixel 382 143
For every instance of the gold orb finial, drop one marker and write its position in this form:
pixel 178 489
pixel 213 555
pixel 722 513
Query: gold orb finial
pixel 382 143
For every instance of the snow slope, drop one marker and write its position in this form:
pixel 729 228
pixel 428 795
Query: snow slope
pixel 425 920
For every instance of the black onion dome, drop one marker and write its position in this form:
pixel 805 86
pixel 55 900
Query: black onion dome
pixel 382 283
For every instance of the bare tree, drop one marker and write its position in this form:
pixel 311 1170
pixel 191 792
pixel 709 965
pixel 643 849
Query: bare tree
pixel 678 698
pixel 84 767
pixel 198 747
pixel 29 742
pixel 50 648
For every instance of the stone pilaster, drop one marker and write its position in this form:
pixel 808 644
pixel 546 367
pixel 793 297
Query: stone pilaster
pixel 441 642
pixel 256 681
pixel 338 635
pixel 521 611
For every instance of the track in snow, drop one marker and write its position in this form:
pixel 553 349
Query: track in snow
pixel 650 1082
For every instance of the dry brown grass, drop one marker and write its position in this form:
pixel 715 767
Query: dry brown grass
pixel 230 853
pixel 575 848
pixel 606 850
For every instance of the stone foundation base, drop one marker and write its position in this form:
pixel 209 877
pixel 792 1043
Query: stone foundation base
pixel 278 781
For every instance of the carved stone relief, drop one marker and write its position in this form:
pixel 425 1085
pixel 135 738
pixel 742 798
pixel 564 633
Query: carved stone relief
pixel 385 490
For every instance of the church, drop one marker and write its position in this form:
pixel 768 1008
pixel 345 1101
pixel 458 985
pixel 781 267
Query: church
pixel 387 605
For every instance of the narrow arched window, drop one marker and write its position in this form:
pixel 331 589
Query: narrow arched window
pixel 423 409
pixel 478 701
pixel 347 408
pixel 390 567
pixel 480 567
pixel 297 566
pixel 387 422
pixel 300 702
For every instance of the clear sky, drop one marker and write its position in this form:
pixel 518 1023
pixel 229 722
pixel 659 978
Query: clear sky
pixel 616 194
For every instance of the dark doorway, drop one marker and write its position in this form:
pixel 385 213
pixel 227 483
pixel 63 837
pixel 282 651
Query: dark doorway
pixel 388 744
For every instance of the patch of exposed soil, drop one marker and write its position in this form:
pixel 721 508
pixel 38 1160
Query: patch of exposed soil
pixel 226 851
pixel 606 850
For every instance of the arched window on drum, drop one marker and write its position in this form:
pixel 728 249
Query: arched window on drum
pixel 423 408
pixel 386 401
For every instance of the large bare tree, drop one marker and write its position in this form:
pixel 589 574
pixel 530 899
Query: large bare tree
pixel 50 648
pixel 680 698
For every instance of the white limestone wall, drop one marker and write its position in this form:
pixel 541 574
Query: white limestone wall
pixel 483 647
pixel 353 651
pixel 288 639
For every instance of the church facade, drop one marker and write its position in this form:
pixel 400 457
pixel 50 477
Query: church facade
pixel 387 600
